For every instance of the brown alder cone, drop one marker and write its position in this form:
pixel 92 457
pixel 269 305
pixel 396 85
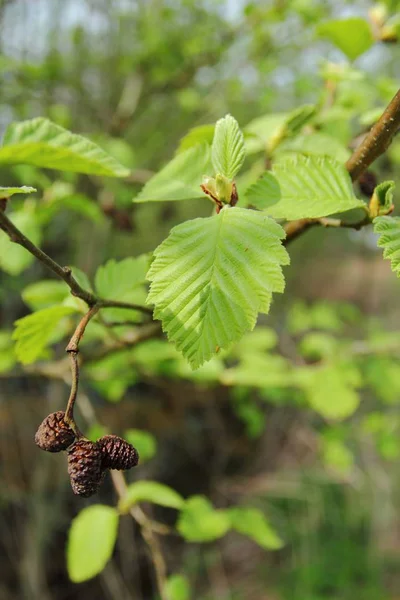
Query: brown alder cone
pixel 117 453
pixel 84 467
pixel 53 434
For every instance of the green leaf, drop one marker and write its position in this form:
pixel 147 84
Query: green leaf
pixel 265 192
pixel 228 149
pixel 252 523
pixel 32 333
pixel 45 293
pixel 150 491
pixel 330 390
pixel 212 276
pixel 91 541
pixel 352 36
pixel 203 134
pixel 143 441
pixel 388 229
pixel 180 179
pixel 116 280
pixel 7 192
pixel 44 144
pixel 311 187
pixel 200 522
pixel 177 588
pixel 14 258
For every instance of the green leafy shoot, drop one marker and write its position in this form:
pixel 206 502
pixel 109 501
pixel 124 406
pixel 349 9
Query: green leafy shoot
pixel 199 521
pixel 180 179
pixel 224 270
pixel 252 523
pixel 7 192
pixel 33 332
pixel 228 148
pixel 41 143
pixel 150 491
pixel 388 230
pixel 352 36
pixel 310 187
pixel 91 541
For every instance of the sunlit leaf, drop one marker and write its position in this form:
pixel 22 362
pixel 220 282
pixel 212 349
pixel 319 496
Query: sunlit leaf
pixel 224 269
pixel 310 187
pixel 42 143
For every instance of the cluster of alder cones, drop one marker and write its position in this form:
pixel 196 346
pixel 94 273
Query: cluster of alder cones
pixel 88 461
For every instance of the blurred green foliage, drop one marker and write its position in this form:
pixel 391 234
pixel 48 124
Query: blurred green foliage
pixel 296 425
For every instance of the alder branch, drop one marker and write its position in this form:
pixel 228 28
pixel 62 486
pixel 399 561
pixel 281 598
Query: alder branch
pixel 375 143
pixel 65 273
pixel 295 228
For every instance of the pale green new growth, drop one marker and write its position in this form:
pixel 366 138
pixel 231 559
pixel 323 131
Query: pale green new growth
pixel 91 541
pixel 211 277
pixel 310 187
pixel 32 333
pixel 44 144
pixel 7 192
pixel 228 148
pixel 388 229
pixel 180 179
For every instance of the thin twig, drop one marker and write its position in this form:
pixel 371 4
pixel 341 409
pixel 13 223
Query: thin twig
pixel 65 273
pixel 147 531
pixel 73 350
pixel 377 141
pixel 73 345
pixel 69 411
pixel 295 228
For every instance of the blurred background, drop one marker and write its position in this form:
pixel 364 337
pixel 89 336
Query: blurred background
pixel 135 76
